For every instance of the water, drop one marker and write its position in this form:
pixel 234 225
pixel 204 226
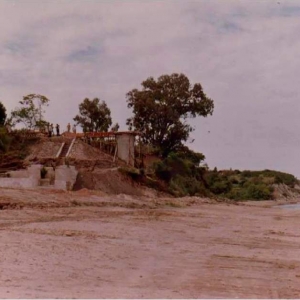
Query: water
pixel 290 206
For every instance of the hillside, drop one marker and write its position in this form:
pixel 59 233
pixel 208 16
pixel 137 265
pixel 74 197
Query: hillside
pixel 252 185
pixel 177 176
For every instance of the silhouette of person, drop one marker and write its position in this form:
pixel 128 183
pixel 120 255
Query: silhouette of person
pixel 57 130
pixel 49 130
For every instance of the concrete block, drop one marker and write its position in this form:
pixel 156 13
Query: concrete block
pixel 65 177
pixel 18 182
pixel 45 182
pixel 19 174
pixel 35 171
pixel 60 184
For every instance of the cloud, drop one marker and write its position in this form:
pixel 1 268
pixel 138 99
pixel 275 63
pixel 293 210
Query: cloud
pixel 244 53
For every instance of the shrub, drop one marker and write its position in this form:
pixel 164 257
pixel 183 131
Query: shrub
pixel 162 171
pixel 182 186
pixel 131 172
pixel 181 172
pixel 259 192
pixel 5 140
pixel 221 187
pixel 234 180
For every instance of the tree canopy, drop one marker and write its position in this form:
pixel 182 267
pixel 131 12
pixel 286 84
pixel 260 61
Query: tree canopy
pixel 31 112
pixel 2 114
pixel 161 109
pixel 94 115
pixel 115 127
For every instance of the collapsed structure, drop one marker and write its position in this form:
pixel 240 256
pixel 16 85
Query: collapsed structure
pixel 108 149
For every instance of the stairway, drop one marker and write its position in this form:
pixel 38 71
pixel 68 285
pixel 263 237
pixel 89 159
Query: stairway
pixel 65 149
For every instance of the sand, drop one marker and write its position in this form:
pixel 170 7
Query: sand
pixel 88 245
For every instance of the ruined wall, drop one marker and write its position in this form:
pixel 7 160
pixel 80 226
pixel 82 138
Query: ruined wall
pixel 23 178
pixel 65 177
pixel 25 183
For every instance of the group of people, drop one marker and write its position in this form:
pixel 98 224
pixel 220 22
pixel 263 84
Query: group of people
pixel 50 129
pixel 69 128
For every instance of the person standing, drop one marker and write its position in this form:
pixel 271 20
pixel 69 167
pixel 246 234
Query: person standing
pixel 69 127
pixel 74 128
pixel 49 129
pixel 57 130
pixel 52 129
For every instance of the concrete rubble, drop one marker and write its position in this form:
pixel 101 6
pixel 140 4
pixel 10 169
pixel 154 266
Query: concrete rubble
pixel 62 177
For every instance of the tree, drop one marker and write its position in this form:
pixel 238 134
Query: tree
pixel 115 127
pixel 94 115
pixel 161 110
pixel 31 112
pixel 2 114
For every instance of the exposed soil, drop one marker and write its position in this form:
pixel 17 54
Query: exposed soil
pixel 110 181
pixel 83 151
pixel 87 244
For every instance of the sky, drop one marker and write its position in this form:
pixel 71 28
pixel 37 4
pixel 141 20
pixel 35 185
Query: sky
pixel 246 55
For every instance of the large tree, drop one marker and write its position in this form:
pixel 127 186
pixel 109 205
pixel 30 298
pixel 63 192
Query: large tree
pixel 31 112
pixel 161 109
pixel 2 114
pixel 94 115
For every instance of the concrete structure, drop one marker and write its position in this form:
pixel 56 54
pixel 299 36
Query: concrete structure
pixel 63 177
pixel 125 146
pixel 122 140
pixel 23 178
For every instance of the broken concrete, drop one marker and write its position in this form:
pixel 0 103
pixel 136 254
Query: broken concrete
pixel 63 177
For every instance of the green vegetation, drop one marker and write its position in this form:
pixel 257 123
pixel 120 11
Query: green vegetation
pixel 5 140
pixel 14 147
pixel 2 114
pixel 247 185
pixel 31 112
pixel 161 110
pixel 94 115
pixel 181 173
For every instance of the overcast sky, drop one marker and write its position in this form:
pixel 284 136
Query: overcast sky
pixel 244 53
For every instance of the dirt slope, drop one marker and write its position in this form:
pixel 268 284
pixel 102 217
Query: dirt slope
pixel 109 181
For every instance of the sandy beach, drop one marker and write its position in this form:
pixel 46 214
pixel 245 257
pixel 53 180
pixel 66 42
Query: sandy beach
pixel 87 245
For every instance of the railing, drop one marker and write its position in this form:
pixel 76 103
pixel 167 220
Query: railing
pixel 59 151
pixel 70 148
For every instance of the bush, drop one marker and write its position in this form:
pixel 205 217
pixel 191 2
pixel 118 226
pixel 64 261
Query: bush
pixel 181 186
pixel 221 187
pixel 180 171
pixel 251 192
pixel 234 180
pixel 259 192
pixel 5 140
pixel 131 172
pixel 172 166
pixel 163 171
